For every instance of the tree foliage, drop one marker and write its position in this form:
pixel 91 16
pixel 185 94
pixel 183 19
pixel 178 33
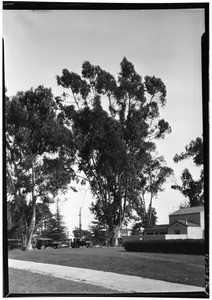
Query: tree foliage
pixel 190 188
pixel 149 220
pixel 85 234
pixel 193 150
pixel 114 124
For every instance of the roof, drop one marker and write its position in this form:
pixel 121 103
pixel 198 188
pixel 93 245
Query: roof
pixel 186 223
pixel 188 210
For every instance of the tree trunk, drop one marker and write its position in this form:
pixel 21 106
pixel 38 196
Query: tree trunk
pixel 24 241
pixel 150 211
pixel 113 236
pixel 33 218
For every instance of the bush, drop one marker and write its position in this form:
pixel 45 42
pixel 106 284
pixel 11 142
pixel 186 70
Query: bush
pixel 189 246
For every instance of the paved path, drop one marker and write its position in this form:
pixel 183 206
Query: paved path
pixel 123 283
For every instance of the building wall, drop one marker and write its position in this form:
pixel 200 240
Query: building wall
pixel 177 227
pixel 202 219
pixel 125 232
pixel 194 218
pixel 155 232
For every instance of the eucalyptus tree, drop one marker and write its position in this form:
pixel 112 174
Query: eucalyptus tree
pixel 115 123
pixel 36 163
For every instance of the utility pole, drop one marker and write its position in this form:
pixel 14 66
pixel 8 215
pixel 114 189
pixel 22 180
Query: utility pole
pixel 80 224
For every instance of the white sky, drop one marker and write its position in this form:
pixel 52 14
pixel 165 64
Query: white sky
pixel 166 44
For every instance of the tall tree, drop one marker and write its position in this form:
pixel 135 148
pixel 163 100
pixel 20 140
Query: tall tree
pixel 190 188
pixel 114 125
pixel 37 164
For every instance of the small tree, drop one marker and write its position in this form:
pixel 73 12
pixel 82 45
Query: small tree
pixel 99 233
pixel 149 220
pixel 151 182
pixel 56 228
pixel 190 188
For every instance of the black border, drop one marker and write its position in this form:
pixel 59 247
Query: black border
pixel 4 194
pixel 24 5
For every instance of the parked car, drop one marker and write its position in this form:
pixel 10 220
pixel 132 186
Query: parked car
pixel 42 243
pixel 79 242
pixel 63 245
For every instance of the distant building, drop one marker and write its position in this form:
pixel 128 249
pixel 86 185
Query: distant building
pixel 189 221
pixel 185 223
pixel 158 229
pixel 125 232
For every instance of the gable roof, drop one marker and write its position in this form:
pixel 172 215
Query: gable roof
pixel 188 210
pixel 185 223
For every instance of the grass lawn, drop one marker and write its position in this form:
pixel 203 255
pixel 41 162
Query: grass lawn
pixel 20 282
pixel 178 268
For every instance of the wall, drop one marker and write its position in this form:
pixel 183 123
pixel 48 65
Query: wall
pixel 202 219
pixel 195 233
pixel 155 231
pixel 176 236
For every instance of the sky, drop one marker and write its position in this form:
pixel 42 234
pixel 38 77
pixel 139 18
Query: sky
pixel 163 43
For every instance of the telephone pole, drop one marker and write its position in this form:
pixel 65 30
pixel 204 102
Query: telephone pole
pixel 80 224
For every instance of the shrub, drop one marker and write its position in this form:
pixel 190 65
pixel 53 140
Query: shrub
pixel 189 246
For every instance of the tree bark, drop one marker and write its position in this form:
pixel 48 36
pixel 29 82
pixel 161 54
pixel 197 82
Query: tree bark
pixel 31 227
pixel 33 218
pixel 113 236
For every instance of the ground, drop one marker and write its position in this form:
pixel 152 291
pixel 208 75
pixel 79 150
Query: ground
pixel 178 268
pixel 20 282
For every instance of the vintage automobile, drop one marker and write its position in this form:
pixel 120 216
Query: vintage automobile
pixel 14 244
pixel 43 243
pixel 80 242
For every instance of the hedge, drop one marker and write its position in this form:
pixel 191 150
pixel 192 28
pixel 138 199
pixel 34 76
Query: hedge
pixel 189 246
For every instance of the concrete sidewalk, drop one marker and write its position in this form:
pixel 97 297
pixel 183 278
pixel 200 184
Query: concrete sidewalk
pixel 123 283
